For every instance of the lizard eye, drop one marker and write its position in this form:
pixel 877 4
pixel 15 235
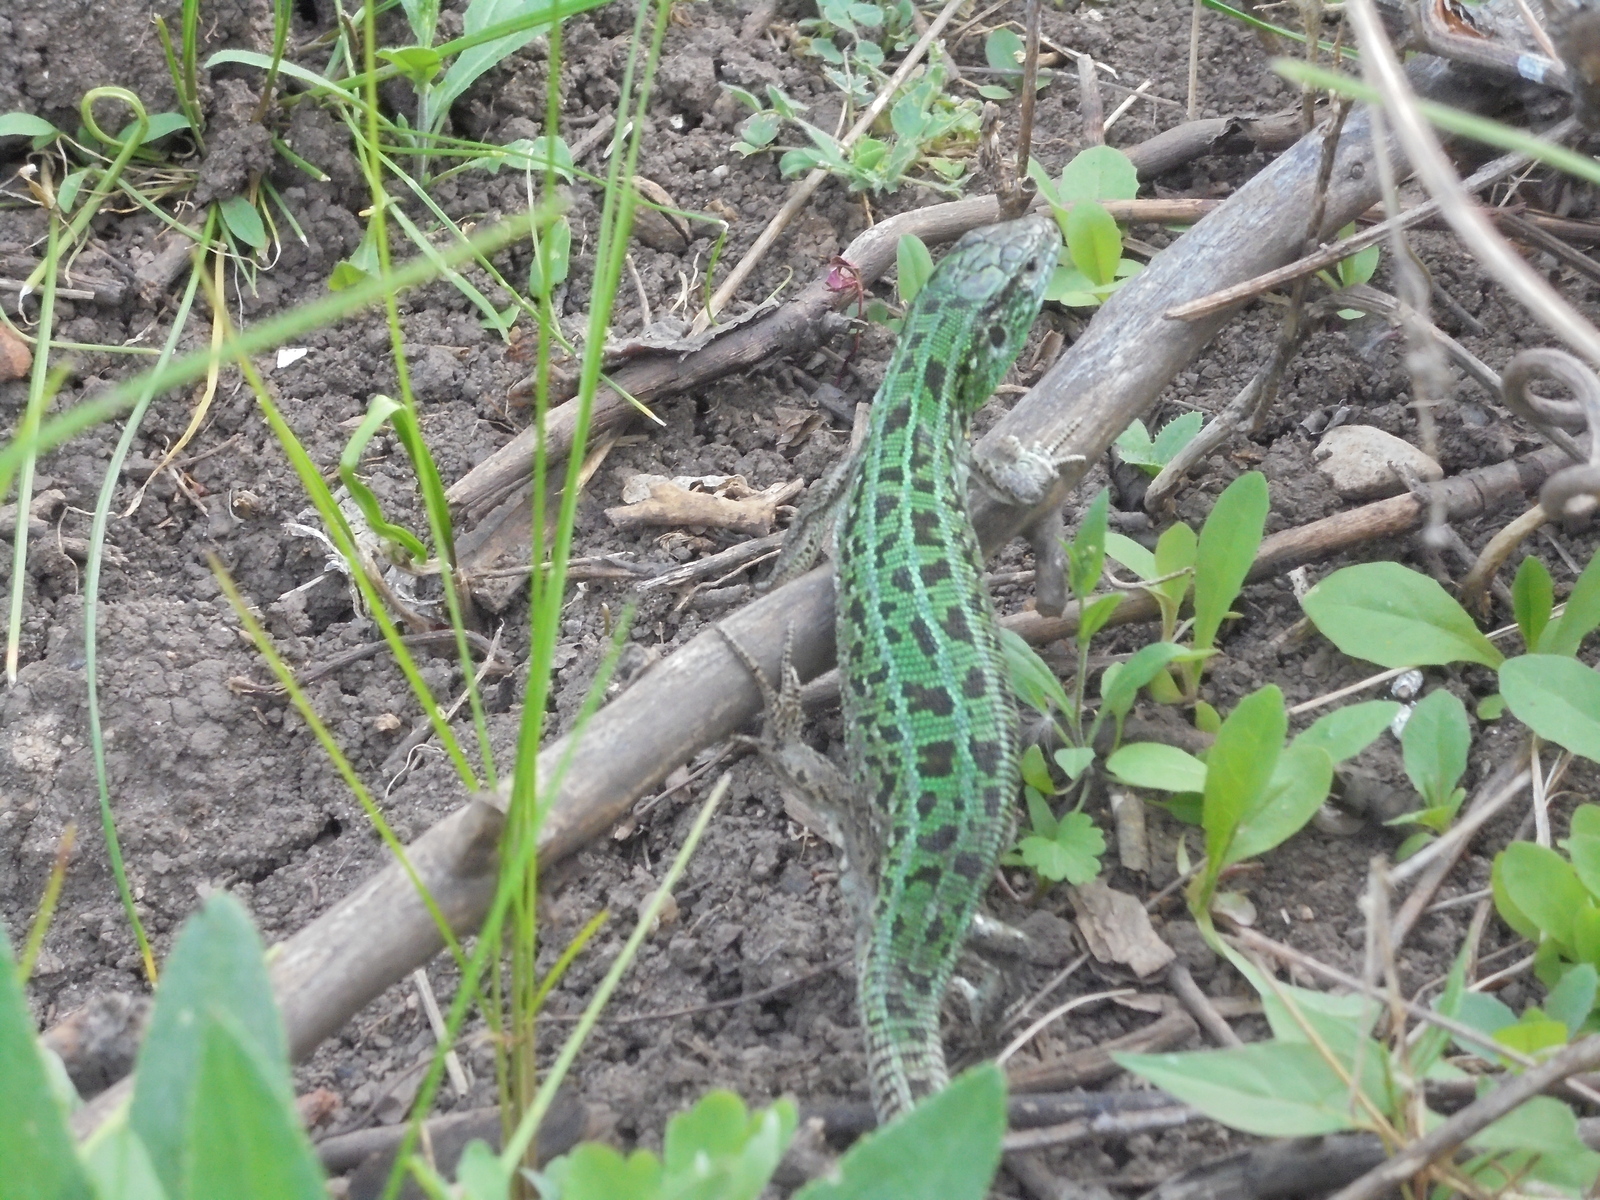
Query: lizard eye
pixel 997 336
pixel 1033 266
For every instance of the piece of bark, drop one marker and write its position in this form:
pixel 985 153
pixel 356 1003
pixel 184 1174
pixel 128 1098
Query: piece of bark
pixel 1080 1068
pixel 667 502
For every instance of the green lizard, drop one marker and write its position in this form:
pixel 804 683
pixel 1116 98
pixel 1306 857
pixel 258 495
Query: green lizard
pixel 927 704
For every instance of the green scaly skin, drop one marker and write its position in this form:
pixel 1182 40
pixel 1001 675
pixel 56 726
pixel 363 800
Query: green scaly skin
pixel 927 702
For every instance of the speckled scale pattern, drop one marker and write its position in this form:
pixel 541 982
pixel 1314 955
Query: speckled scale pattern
pixel 927 703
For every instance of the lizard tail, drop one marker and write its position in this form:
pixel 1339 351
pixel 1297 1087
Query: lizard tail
pixel 905 1064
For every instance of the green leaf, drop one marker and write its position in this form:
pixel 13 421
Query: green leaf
pixel 1492 707
pixel 915 265
pixel 41 1162
pixel 1093 616
pixel 553 260
pixel 1033 681
pixel 1572 1000
pixel 1542 886
pixel 1547 1131
pixel 1239 767
pixel 1346 732
pixel 948 1146
pixel 1206 718
pixel 243 1138
pixel 1175 435
pixel 1271 1089
pixel 1557 697
pixel 1040 818
pixel 481 15
pixel 1135 446
pixel 594 1171
pixel 382 409
pixel 119 1165
pixel 1581 614
pixel 216 971
pixel 1154 765
pixel 1093 241
pixel 1584 849
pixel 1435 742
pixel 1227 546
pixel 1086 552
pixel 1003 50
pixel 417 63
pixel 480 1175
pixel 1360 266
pixel 1034 771
pixel 244 222
pixel 1123 549
pixel 535 155
pixel 993 91
pixel 1395 617
pixel 1098 173
pixel 1074 760
pixel 1120 690
pixel 1072 854
pixel 157 126
pixel 21 124
pixel 1298 786
pixel 1533 598
pixel 717 1151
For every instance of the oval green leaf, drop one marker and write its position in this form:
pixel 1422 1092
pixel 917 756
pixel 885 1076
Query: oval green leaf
pixel 1393 616
pixel 1557 697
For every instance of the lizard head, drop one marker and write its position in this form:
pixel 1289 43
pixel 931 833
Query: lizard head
pixel 999 274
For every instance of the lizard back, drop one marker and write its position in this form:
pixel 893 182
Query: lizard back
pixel 927 705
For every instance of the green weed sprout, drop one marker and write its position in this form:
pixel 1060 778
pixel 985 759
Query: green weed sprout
pixel 1094 266
pixel 1003 50
pixel 1434 743
pixel 925 127
pixel 1137 448
pixel 1358 268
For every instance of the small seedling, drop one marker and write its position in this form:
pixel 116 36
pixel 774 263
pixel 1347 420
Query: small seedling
pixel 930 133
pixel 1217 562
pixel 1094 266
pixel 1434 742
pixel 1396 617
pixel 1003 50
pixel 1137 448
pixel 1348 272
pixel 1065 848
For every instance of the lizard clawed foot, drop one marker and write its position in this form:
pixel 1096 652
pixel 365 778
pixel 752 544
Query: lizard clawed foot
pixel 1022 474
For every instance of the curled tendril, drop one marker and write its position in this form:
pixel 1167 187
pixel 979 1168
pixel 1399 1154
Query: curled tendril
pixel 1573 491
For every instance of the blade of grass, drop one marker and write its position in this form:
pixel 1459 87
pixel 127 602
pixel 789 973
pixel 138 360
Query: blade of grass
pixel 91 617
pixel 47 902
pixel 308 714
pixel 517 1145
pixel 40 391
pixel 1452 120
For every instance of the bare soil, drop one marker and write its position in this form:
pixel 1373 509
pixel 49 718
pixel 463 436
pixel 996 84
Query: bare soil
pixel 217 785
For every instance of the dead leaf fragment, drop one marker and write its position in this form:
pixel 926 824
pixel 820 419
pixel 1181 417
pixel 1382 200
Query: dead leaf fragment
pixel 16 359
pixel 1118 930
